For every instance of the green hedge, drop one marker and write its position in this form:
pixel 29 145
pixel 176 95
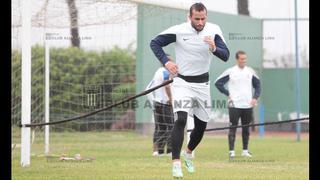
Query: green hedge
pixel 71 70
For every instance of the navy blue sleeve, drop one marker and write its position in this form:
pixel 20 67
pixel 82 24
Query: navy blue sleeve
pixel 160 41
pixel 220 85
pixel 222 50
pixel 257 87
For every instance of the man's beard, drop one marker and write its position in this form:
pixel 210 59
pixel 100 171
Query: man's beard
pixel 196 28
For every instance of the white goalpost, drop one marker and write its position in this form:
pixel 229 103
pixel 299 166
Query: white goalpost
pixel 26 82
pixel 47 94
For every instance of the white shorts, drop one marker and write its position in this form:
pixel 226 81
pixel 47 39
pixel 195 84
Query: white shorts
pixel 193 98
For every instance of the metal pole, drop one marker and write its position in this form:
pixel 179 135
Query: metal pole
pixel 26 82
pixel 47 95
pixel 261 120
pixel 298 97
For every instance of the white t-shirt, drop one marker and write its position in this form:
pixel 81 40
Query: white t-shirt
pixel 240 85
pixel 193 56
pixel 158 95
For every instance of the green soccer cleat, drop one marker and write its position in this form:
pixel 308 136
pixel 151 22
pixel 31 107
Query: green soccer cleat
pixel 188 162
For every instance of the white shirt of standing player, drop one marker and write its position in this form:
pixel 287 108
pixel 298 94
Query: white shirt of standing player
pixel 240 85
pixel 159 95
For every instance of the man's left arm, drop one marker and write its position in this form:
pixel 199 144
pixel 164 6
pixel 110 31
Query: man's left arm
pixel 257 89
pixel 221 50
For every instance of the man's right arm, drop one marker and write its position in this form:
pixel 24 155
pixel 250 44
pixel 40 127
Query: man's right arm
pixel 220 85
pixel 221 81
pixel 166 77
pixel 160 41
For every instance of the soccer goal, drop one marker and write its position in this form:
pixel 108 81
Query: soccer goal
pixel 56 75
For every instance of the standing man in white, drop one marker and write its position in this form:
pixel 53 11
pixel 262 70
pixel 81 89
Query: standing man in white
pixel 195 44
pixel 160 100
pixel 241 80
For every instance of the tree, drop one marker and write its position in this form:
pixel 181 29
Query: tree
pixel 73 12
pixel 243 7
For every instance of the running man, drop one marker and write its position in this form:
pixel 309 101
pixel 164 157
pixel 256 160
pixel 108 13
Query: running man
pixel 241 79
pixel 195 44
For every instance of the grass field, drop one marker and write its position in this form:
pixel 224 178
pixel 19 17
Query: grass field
pixel 127 155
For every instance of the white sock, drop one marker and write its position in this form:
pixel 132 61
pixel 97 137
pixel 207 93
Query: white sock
pixel 231 151
pixel 176 163
pixel 188 155
pixel 245 150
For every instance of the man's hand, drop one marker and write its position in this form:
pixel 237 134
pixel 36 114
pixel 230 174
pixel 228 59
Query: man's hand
pixel 210 41
pixel 171 67
pixel 230 102
pixel 254 102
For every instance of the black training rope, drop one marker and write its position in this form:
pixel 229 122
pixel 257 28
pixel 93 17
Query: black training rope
pixel 98 110
pixel 250 125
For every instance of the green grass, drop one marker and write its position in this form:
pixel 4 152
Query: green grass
pixel 127 155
